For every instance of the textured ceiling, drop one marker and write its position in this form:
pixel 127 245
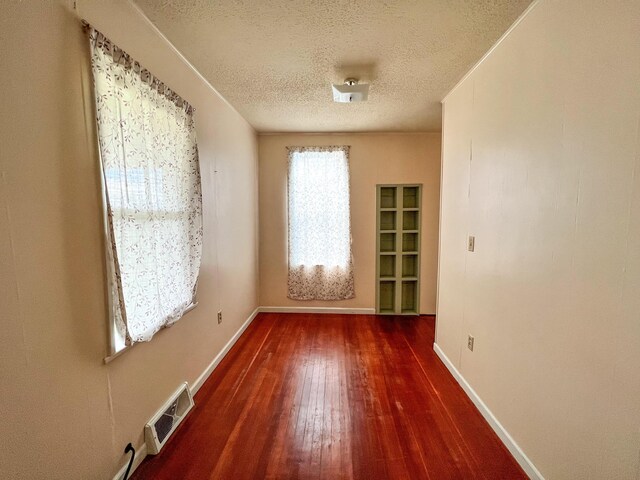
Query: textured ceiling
pixel 274 60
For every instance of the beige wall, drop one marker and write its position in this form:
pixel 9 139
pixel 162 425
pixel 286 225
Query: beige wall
pixel 374 159
pixel 64 413
pixel 541 162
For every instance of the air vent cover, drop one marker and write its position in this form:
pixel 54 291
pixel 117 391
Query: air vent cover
pixel 166 420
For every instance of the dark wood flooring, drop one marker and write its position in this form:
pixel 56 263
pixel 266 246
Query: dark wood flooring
pixel 304 396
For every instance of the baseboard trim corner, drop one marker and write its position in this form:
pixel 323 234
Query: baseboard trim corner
pixel 349 311
pixel 141 453
pixel 218 358
pixel 515 450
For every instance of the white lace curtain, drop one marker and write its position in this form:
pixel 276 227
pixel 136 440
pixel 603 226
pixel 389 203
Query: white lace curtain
pixel 152 189
pixel 320 259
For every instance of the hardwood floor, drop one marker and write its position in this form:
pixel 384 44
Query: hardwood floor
pixel 333 396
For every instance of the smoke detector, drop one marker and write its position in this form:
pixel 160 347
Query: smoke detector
pixel 350 91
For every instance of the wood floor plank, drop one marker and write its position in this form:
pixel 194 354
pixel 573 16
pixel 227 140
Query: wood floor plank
pixel 304 396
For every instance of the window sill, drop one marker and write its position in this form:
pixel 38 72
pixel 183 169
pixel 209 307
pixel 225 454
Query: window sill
pixel 110 358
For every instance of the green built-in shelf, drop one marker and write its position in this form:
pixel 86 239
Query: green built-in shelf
pixel 398 249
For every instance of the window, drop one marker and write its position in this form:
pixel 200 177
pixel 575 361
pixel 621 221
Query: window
pixel 320 260
pixel 153 203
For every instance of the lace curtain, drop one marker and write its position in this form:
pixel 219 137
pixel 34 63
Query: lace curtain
pixel 320 259
pixel 152 191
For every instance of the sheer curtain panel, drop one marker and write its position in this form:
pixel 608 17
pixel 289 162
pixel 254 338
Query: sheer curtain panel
pixel 153 201
pixel 320 260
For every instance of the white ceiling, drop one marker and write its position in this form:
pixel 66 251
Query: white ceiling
pixel 274 60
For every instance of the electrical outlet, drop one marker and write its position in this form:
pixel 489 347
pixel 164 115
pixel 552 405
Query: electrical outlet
pixel 471 246
pixel 219 317
pixel 470 340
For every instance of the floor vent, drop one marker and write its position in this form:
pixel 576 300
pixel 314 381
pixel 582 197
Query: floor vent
pixel 163 424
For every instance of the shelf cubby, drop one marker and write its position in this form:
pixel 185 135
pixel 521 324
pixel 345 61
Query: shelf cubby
pixel 388 197
pixel 387 220
pixel 409 242
pixel 410 197
pixel 410 265
pixel 387 242
pixel 387 296
pixel 410 220
pixel 387 266
pixel 409 296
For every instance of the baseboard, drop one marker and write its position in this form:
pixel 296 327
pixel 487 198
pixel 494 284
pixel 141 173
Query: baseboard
pixel 520 457
pixel 350 311
pixel 218 358
pixel 141 452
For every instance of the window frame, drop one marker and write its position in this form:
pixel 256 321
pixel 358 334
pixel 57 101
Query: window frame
pixel 98 42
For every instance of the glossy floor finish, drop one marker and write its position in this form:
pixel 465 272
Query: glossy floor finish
pixel 333 396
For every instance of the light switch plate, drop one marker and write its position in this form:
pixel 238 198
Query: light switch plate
pixel 470 341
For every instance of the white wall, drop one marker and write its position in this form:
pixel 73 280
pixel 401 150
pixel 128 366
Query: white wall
pixel 541 162
pixel 64 413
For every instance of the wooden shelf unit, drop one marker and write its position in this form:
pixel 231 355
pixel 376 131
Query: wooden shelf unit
pixel 398 220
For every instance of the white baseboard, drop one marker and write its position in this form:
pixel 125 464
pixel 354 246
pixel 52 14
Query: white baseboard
pixel 218 358
pixel 351 311
pixel 141 452
pixel 520 457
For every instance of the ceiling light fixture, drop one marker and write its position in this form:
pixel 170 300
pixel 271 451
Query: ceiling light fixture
pixel 350 91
